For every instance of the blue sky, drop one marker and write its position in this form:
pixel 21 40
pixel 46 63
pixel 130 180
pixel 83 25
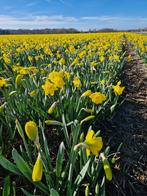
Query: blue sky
pixel 80 14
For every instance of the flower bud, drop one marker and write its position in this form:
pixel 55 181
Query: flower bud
pixel 107 168
pixel 18 79
pixel 87 118
pixel 87 190
pixel 31 130
pixel 52 107
pixel 37 170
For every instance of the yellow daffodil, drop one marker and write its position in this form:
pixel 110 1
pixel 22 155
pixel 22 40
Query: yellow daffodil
pixel 3 82
pixel 56 78
pixel 97 97
pixel 77 82
pixel 118 90
pixel 62 61
pixel 94 144
pixel 49 88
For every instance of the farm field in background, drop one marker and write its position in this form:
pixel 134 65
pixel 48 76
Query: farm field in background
pixel 54 89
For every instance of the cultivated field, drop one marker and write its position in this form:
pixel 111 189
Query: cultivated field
pixel 57 95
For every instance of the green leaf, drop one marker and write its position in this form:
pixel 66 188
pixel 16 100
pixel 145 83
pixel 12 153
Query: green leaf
pixel 54 193
pixel 6 189
pixel 21 164
pixel 103 190
pixel 46 149
pixel 59 160
pixel 9 166
pixel 46 158
pixel 53 122
pixel 81 176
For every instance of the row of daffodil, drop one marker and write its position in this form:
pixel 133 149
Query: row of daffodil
pixel 139 44
pixel 44 76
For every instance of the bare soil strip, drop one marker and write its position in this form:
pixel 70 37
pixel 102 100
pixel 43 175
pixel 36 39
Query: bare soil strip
pixel 129 126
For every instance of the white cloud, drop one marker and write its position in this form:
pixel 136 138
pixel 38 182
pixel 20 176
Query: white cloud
pixel 99 18
pixel 82 23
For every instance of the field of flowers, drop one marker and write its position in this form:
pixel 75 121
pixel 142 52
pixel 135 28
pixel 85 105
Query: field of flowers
pixel 57 87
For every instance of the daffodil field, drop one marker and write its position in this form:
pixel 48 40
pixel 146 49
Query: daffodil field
pixel 60 84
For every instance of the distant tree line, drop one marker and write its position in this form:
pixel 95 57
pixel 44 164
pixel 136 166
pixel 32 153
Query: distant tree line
pixel 62 31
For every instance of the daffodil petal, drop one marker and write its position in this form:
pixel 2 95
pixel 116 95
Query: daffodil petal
pixel 89 135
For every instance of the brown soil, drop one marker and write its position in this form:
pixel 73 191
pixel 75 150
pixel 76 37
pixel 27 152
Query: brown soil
pixel 129 126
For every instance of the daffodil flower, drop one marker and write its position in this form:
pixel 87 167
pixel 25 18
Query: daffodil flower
pixel 94 144
pixel 118 90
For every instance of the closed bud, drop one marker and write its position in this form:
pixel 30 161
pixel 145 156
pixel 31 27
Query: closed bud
pixel 97 188
pixel 87 190
pixel 37 170
pixel 12 93
pixel 18 79
pixel 31 130
pixel 86 93
pixel 88 110
pixel 87 119
pixel 52 108
pixel 107 168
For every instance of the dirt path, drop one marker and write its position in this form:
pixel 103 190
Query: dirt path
pixel 129 126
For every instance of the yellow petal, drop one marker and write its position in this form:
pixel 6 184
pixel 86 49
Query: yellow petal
pixel 87 152
pixel 89 135
pixel 96 145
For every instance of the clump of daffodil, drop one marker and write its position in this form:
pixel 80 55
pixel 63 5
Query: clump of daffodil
pixel 3 82
pixel 92 144
pixel 118 90
pixel 77 82
pixel 31 130
pixel 37 170
pixel 97 97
